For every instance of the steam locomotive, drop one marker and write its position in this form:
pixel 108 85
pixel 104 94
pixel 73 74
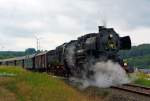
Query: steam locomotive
pixel 77 56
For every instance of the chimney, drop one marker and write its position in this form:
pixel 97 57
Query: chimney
pixel 100 28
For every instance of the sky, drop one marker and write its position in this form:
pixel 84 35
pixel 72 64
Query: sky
pixel 57 21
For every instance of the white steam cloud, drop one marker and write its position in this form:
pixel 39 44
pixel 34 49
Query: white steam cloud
pixel 106 74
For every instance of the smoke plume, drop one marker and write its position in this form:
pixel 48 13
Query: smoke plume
pixel 106 74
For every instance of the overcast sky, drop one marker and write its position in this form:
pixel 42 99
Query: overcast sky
pixel 59 21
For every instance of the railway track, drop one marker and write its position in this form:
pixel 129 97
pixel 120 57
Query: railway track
pixel 126 92
pixel 134 89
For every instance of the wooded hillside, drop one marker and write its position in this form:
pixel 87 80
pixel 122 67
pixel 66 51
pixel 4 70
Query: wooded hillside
pixel 138 56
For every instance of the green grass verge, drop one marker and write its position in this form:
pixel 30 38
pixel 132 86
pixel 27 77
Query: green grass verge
pixel 32 86
pixel 142 79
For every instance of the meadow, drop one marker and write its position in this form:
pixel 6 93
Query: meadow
pixel 142 79
pixel 17 84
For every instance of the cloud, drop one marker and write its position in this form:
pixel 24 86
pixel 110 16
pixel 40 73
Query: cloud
pixel 20 20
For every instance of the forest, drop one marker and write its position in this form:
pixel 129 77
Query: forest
pixel 138 56
pixel 11 54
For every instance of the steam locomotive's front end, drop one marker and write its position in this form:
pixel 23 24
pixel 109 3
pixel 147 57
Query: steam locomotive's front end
pixel 109 43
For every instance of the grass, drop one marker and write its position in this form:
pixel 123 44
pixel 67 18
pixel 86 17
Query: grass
pixel 142 79
pixel 32 86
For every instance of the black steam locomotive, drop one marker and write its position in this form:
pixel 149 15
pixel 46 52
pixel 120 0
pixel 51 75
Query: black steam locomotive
pixel 74 58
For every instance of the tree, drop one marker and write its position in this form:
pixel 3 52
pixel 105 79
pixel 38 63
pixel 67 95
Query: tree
pixel 30 51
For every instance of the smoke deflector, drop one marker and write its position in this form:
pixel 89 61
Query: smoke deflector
pixel 125 43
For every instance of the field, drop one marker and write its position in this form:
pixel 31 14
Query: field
pixel 142 79
pixel 17 84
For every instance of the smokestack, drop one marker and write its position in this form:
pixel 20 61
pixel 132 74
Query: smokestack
pixel 100 28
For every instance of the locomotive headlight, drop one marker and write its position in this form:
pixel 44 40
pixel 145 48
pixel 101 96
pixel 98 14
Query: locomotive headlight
pixel 125 64
pixel 110 35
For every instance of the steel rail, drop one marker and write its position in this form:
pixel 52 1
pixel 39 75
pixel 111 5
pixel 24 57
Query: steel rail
pixel 134 89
